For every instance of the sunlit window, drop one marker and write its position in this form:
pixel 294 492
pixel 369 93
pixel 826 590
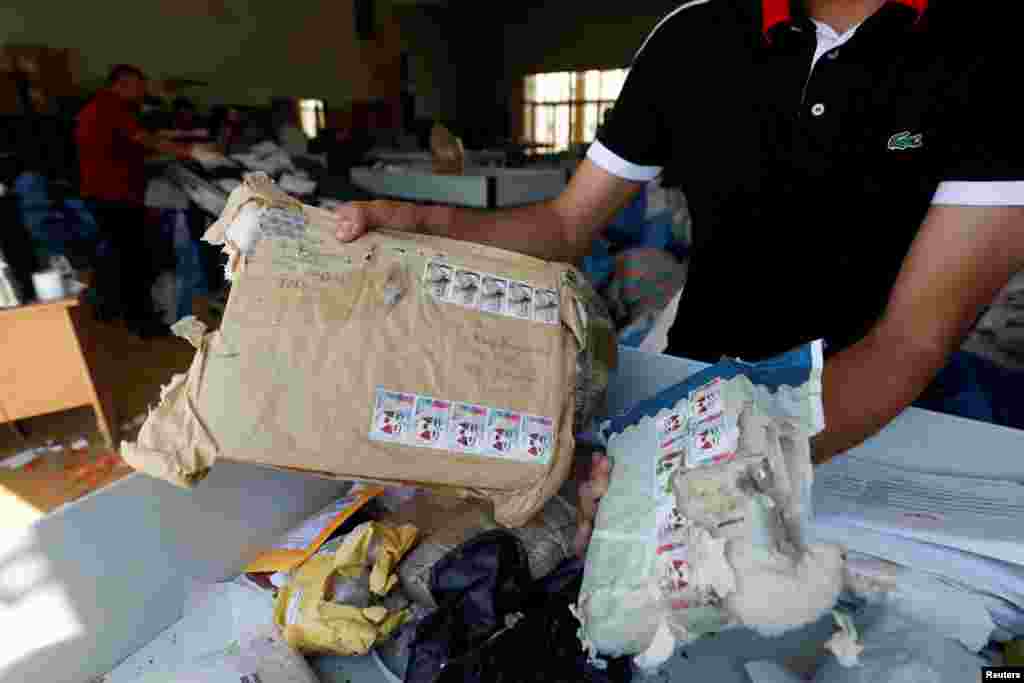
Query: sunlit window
pixel 563 108
pixel 312 114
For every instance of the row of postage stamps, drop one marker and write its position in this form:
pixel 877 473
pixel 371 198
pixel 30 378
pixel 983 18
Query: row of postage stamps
pixel 698 429
pixel 468 428
pixel 491 293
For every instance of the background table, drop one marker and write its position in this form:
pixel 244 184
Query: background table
pixel 44 366
pixel 478 187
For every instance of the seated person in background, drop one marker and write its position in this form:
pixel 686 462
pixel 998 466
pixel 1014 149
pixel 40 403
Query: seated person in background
pixel 226 128
pixel 112 147
pixel 184 114
pixel 284 119
pixel 185 122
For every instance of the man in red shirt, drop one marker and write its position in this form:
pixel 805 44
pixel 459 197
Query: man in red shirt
pixel 112 149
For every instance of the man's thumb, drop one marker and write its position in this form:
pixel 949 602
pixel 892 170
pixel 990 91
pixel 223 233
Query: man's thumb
pixel 351 222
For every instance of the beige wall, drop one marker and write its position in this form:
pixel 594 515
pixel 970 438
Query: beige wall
pixel 246 50
pixel 559 37
pixel 431 64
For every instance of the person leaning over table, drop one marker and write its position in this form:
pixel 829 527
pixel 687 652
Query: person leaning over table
pixel 854 171
pixel 112 148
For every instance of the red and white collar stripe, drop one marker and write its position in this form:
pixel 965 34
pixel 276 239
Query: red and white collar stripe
pixel 777 12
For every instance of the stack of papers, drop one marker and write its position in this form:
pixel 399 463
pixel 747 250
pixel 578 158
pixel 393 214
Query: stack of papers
pixel 980 516
pixel 959 533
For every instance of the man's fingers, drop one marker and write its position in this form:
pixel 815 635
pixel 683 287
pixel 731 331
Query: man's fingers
pixel 593 484
pixel 351 222
pixel 583 533
pixel 600 474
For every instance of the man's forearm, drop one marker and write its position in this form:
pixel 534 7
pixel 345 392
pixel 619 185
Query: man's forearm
pixel 538 230
pixel 561 229
pixel 867 385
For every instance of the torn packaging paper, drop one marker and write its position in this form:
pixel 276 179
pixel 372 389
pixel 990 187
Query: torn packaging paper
pixel 447 151
pixel 445 523
pixel 364 362
pixel 311 610
pixel 304 540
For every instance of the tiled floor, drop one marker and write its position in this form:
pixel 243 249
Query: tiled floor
pixel 132 370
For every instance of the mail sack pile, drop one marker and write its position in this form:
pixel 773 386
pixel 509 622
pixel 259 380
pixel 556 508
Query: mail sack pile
pixel 399 358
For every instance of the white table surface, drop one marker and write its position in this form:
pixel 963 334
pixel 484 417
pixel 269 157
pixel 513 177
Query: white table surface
pixel 91 584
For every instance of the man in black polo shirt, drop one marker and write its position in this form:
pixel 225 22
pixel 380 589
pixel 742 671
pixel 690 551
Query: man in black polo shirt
pixel 854 170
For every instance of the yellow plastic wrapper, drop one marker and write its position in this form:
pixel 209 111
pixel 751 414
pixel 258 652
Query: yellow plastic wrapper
pixel 303 541
pixel 310 619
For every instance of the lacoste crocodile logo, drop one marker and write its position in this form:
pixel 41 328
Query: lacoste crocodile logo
pixel 901 142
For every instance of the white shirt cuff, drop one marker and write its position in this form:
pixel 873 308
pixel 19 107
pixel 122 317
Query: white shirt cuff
pixel 617 166
pixel 980 193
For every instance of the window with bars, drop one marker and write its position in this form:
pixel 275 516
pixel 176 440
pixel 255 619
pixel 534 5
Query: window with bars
pixel 311 113
pixel 565 108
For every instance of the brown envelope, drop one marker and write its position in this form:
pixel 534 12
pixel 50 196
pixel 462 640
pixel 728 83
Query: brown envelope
pixel 362 361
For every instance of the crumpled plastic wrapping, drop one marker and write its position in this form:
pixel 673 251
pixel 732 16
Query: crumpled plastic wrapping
pixel 446 523
pixel 496 624
pixel 845 643
pixel 703 525
pixel 339 603
pixel 892 647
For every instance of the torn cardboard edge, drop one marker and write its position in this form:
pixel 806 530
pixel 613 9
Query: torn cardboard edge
pixel 176 421
pixel 175 444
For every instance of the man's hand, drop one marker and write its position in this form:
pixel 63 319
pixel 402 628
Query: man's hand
pixel 356 218
pixel 592 480
pixel 562 229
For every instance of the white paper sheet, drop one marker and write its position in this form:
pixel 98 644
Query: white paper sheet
pixel 981 573
pixel 955 611
pixel 981 516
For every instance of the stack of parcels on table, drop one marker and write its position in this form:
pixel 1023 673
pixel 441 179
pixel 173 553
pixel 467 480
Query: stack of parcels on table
pixel 208 184
pixel 398 358
pixel 703 527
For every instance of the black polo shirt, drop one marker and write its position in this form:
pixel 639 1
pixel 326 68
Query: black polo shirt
pixel 809 160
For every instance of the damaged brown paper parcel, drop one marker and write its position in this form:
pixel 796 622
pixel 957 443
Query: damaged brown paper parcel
pixel 399 358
